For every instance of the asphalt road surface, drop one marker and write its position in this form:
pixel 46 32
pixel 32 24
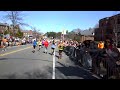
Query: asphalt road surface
pixel 21 63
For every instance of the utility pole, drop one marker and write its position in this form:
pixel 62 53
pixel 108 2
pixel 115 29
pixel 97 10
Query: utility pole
pixel 63 34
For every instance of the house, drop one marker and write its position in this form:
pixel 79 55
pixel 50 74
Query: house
pixel 3 27
pixel 27 33
pixel 87 35
pixel 9 28
pixel 31 34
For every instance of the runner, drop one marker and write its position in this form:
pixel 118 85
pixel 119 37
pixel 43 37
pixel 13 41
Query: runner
pixel 46 45
pixel 34 45
pixel 43 43
pixel 39 44
pixel 60 47
pixel 53 47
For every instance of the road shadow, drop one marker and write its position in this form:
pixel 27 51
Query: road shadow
pixel 25 59
pixel 50 53
pixel 32 74
pixel 57 56
pixel 75 61
pixel 75 71
pixel 3 58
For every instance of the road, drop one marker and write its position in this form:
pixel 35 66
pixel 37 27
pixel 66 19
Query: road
pixel 20 63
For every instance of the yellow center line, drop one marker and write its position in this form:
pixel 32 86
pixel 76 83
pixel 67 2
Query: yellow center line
pixel 14 51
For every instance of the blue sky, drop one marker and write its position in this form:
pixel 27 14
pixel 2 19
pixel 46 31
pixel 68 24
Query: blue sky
pixel 59 20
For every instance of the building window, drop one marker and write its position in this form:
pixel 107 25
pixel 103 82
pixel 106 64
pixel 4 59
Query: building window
pixel 109 31
pixel 102 24
pixel 118 21
pixel 106 22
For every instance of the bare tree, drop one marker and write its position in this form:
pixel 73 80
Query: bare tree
pixel 35 33
pixel 16 18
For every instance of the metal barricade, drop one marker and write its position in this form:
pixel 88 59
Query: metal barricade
pixel 105 66
pixel 112 70
pixel 102 65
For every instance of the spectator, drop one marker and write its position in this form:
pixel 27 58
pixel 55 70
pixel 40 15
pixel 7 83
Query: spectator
pixel 112 56
pixel 100 45
pixel 87 44
pixel 4 43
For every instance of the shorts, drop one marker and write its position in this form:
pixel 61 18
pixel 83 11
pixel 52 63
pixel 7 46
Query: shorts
pixel 60 51
pixel 34 46
pixel 53 48
pixel 40 45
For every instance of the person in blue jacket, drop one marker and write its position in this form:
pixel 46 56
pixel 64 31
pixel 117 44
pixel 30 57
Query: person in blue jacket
pixel 34 45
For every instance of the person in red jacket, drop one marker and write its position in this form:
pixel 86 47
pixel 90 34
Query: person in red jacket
pixel 46 45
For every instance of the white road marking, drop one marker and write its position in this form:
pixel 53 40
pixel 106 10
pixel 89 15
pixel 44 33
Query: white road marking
pixel 53 76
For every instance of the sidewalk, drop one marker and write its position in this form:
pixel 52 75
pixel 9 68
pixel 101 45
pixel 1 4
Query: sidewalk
pixel 69 69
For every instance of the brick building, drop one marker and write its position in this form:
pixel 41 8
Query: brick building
pixel 31 34
pixel 6 27
pixel 88 37
pixel 3 27
pixel 107 28
pixel 27 33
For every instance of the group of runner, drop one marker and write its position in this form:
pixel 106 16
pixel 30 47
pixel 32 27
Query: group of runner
pixel 45 43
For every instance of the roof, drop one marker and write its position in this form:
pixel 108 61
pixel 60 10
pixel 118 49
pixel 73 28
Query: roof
pixel 87 32
pixel 4 24
pixel 25 31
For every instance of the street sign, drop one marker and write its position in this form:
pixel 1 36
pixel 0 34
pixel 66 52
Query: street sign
pixel 64 32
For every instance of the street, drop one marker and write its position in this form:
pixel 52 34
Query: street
pixel 20 63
